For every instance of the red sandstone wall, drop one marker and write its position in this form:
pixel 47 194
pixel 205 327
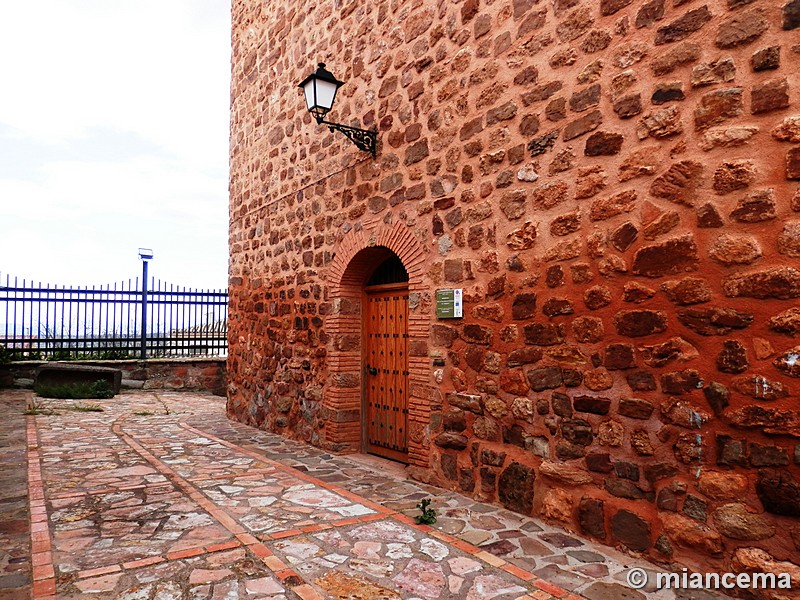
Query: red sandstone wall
pixel 614 185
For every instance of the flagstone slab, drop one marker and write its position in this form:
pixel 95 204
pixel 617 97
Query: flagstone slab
pixel 209 575
pixel 263 585
pixel 562 578
pixel 340 586
pixel 486 587
pixel 461 565
pixel 436 550
pixel 106 583
pixel 421 578
pixel 612 591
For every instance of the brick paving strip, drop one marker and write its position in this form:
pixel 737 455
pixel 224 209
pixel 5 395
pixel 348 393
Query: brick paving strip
pixel 15 522
pixel 133 505
pixel 44 576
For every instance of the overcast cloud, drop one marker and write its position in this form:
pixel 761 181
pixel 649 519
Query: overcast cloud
pixel 114 135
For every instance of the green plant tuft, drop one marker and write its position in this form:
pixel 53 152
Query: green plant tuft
pixel 37 408
pixel 6 356
pixel 108 354
pixel 86 407
pixel 428 516
pixel 76 391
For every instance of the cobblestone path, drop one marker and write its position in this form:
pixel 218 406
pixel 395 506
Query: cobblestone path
pixel 160 497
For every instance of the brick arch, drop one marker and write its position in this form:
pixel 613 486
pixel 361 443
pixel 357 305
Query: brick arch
pixel 356 255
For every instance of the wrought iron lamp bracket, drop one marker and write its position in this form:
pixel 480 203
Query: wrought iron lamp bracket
pixel 365 139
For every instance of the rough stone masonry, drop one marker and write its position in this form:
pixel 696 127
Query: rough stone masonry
pixel 615 184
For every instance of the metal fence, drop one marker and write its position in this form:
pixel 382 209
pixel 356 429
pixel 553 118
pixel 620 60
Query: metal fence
pixel 68 323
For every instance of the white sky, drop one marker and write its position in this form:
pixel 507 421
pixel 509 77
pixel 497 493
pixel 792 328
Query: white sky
pixel 114 136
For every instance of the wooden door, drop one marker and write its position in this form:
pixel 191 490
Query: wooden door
pixel 386 370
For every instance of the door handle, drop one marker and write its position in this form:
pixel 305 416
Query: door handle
pixel 372 370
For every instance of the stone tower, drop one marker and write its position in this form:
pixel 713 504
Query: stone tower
pixel 611 186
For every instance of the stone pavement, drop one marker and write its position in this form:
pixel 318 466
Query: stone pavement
pixel 15 532
pixel 159 496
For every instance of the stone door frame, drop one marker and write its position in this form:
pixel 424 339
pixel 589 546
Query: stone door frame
pixel 354 260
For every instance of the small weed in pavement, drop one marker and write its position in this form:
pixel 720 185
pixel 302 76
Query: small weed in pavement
pixel 37 408
pixel 428 516
pixel 143 413
pixel 164 404
pixel 86 407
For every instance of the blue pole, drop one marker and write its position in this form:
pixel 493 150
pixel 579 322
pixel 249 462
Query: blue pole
pixel 144 310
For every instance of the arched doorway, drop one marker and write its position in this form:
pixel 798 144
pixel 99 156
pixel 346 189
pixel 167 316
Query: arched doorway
pixel 357 255
pixel 385 361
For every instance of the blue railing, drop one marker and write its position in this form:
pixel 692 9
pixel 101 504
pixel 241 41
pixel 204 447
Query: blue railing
pixel 105 322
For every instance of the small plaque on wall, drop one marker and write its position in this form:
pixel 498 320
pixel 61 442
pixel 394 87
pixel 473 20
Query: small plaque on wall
pixel 449 304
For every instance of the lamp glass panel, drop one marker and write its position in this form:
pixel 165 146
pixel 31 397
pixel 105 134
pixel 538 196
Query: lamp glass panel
pixel 308 89
pixel 326 91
